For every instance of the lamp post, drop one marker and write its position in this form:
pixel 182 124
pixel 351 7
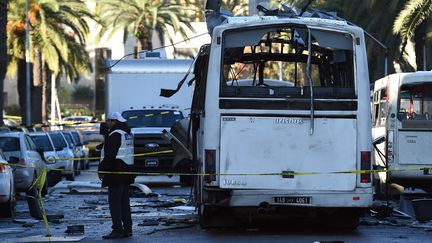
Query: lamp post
pixel 27 57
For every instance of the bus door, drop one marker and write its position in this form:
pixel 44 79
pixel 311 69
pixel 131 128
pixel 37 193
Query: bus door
pixel 415 132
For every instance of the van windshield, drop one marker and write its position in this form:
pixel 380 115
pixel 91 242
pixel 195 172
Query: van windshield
pixel 151 118
pixel 272 63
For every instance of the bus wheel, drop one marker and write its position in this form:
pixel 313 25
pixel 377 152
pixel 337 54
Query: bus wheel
pixel 204 216
pixel 215 217
pixel 187 180
pixel 348 219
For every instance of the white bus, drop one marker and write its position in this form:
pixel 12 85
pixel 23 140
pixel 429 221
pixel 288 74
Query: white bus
pixel 275 99
pixel 401 112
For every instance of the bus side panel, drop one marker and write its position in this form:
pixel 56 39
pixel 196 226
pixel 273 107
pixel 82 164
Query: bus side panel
pixel 251 147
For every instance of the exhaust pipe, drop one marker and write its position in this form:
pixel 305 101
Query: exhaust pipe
pixel 263 208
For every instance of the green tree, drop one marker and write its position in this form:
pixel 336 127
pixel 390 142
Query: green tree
pixel 83 93
pixel 413 22
pixel 58 31
pixel 376 17
pixel 141 17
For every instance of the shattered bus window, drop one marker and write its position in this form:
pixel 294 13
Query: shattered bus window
pixel 272 62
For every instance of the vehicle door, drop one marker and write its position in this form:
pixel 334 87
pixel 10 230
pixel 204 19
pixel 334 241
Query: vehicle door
pixel 33 155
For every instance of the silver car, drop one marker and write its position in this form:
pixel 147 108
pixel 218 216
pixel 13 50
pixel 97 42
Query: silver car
pixel 7 189
pixel 44 142
pixel 19 145
pixel 65 152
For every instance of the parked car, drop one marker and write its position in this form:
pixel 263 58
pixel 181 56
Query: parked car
pixel 78 119
pixel 19 147
pixel 93 138
pixel 7 188
pixel 43 141
pixel 73 145
pixel 64 151
pixel 82 148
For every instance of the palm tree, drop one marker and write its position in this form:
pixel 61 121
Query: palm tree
pixel 3 52
pixel 375 17
pixel 413 22
pixel 141 17
pixel 58 31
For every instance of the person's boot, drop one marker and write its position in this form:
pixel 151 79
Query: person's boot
pixel 127 233
pixel 114 235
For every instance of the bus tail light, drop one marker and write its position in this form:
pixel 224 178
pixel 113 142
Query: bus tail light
pixel 390 146
pixel 2 168
pixel 365 164
pixel 210 165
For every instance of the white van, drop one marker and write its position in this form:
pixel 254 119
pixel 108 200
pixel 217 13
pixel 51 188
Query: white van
pixel 266 149
pixel 401 113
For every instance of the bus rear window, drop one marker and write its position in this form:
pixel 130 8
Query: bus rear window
pixel 272 62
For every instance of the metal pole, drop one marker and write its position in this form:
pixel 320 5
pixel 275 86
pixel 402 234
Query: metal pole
pixel 53 94
pixel 27 57
pixel 424 57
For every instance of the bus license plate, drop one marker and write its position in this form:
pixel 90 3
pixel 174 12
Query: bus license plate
pixel 292 200
pixel 427 171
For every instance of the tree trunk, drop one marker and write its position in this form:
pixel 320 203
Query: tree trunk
pixel 36 94
pixel 21 86
pixel 3 52
pixel 420 45
pixel 144 43
pixel 44 91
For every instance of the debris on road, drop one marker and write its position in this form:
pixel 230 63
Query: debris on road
pixel 149 222
pixel 75 229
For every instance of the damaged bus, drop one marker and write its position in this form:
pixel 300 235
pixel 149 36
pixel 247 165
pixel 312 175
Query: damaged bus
pixel 401 114
pixel 280 121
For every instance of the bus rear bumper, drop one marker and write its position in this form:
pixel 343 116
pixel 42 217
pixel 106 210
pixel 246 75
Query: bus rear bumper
pixel 361 198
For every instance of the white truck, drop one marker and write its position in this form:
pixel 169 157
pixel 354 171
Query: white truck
pixel 133 89
pixel 281 122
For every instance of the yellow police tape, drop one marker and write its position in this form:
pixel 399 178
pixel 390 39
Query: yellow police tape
pixel 40 181
pixel 71 123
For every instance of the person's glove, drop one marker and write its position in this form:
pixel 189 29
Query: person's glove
pixel 99 146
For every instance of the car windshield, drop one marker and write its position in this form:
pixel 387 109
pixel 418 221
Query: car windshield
pixel 151 118
pixel 58 140
pixel 69 138
pixel 76 137
pixel 8 144
pixel 42 142
pixel 92 137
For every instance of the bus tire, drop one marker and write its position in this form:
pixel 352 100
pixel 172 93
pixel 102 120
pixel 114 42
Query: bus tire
pixel 204 216
pixel 347 219
pixel 186 180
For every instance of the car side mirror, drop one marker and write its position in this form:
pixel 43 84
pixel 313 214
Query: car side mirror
pixel 41 150
pixel 13 160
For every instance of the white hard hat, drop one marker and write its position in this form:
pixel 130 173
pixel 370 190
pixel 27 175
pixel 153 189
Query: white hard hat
pixel 115 116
